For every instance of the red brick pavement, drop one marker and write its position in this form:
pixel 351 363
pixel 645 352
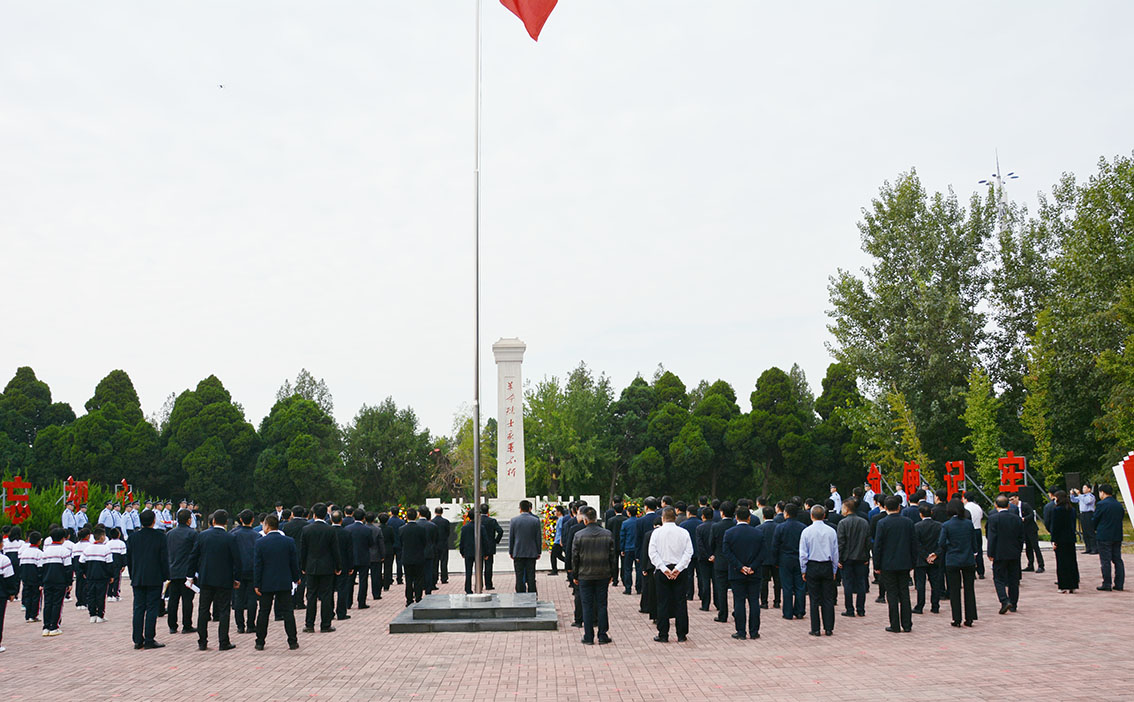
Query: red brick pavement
pixel 1057 646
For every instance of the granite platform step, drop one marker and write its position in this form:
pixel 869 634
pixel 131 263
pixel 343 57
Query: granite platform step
pixel 504 605
pixel 476 616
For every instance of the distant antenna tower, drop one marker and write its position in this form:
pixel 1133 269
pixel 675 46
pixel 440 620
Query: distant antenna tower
pixel 997 182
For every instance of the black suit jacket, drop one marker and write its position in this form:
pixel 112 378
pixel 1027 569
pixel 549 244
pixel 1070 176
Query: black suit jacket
pixel 319 549
pixel 148 558
pixel 895 544
pixel 275 563
pixel 704 534
pixel 1005 535
pixel 568 541
pixel 445 527
pixel 361 539
pixel 218 558
pixel 494 529
pixel 346 548
pixel 468 540
pixel 940 512
pixel 293 527
pixel 434 537
pixel 181 542
pixel 415 543
pixel 928 533
pixel 716 543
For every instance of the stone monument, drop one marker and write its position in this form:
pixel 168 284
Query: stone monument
pixel 511 484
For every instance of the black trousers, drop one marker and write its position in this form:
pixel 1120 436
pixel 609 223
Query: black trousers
pixel 720 591
pixel 957 578
pixel 629 567
pixel 53 605
pixel 362 581
pixel 896 583
pixel 470 569
pixel 672 603
pixel 80 587
pixel 431 575
pixel 415 582
pixel 30 598
pixel 822 592
pixel 96 597
pixel 387 571
pixel 855 582
pixel 283 604
pixel 147 601
pixel 179 594
pixel 215 603
pixel 488 568
pixel 443 565
pixel 3 612
pixel 705 583
pixel 398 561
pixel 244 604
pixel 1110 554
pixel 525 574
pixel 772 575
pixel 593 594
pixel 978 552
pixel 746 604
pixel 1006 577
pixel 344 589
pixel 936 579
pixel 298 598
pixel 321 596
pixel 649 600
pixel 1031 547
pixel 577 596
pixel 1087 521
pixel 556 556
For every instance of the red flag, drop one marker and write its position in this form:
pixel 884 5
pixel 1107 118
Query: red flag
pixel 533 13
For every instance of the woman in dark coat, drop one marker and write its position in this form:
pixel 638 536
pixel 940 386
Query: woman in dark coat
pixel 955 547
pixel 1063 539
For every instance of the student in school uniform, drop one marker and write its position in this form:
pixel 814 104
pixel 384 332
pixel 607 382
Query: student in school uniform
pixel 9 586
pixel 30 556
pixel 13 544
pixel 118 554
pixel 77 550
pixel 55 573
pixel 97 563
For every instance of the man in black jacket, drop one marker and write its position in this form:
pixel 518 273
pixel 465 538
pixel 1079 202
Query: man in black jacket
pixel 148 559
pixel 595 562
pixel 320 561
pixel 468 547
pixel 293 529
pixel 182 548
pixel 243 599
pixel 218 573
pixel 614 526
pixel 570 530
pixel 445 530
pixel 434 548
pixel 489 549
pixel 928 532
pixel 275 571
pixel 720 563
pixel 1005 541
pixel 345 578
pixel 1031 532
pixel 895 552
pixel 415 555
pixel 940 507
pixel 704 536
pixel 362 535
pixel 389 538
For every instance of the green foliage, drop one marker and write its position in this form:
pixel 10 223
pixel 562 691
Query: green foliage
pixel 388 457
pixel 301 461
pixel 25 410
pixel 692 460
pixel 980 416
pixel 669 388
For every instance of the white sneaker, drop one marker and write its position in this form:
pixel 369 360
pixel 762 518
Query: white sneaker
pixel 79 606
pixel 94 620
pixel 2 649
pixel 102 620
pixel 55 632
pixel 46 632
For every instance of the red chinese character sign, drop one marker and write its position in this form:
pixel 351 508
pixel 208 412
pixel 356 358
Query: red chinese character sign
pixel 16 503
pixel 954 476
pixel 76 491
pixel 124 493
pixel 874 478
pixel 1124 476
pixel 911 477
pixel 1012 470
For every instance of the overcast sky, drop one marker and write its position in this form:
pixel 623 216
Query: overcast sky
pixel 662 181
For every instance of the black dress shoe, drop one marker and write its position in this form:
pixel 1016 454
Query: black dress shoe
pixel 605 640
pixel 326 630
pixel 227 646
pixel 293 646
pixel 1029 569
pixel 828 632
pixel 880 599
pixel 775 605
pixel 848 614
pixel 917 610
pixel 661 639
pixel 764 606
pixel 956 624
pixel 935 610
pixel 1104 588
pixel 343 618
pixel 153 644
pixel 240 630
pixel 138 647
pixel 755 636
pixel 703 609
pixel 189 630
pixel 980 577
pixel 1011 608
pixel 862 614
pixel 799 616
pixel 722 620
pixel 907 630
pixel 739 636
pixel 259 646
pixel 308 630
pixel 892 630
pixel 364 606
pixel 1040 569
pixel 577 625
pixel 172 631
pixel 1118 589
pixel 587 642
pixel 202 647
pixel 680 639
pixel 814 633
pixel 968 623
pixel 1004 608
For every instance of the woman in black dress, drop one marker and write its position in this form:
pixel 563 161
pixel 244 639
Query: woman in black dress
pixel 1063 539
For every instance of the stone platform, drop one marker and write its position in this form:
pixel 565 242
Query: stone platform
pixel 504 611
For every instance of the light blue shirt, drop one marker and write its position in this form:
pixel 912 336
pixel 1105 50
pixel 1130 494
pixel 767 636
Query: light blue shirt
pixel 819 542
pixel 106 518
pixel 1086 502
pixel 80 520
pixel 69 520
pixel 559 529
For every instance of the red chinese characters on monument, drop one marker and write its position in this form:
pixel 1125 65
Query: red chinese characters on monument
pixel 510 411
pixel 1012 469
pixel 911 477
pixel 954 476
pixel 76 491
pixel 16 504
pixel 874 478
pixel 124 493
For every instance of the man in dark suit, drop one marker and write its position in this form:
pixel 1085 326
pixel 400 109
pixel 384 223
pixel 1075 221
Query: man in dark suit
pixel 895 552
pixel 928 532
pixel 344 579
pixel 570 528
pixel 940 508
pixel 415 555
pixel 613 524
pixel 702 545
pixel 445 530
pixel 771 569
pixel 1107 523
pixel 690 523
pixel 320 561
pixel 1005 541
pixel 243 599
pixel 1027 514
pixel 361 535
pixel 434 548
pixel 218 572
pixel 389 539
pixel 293 529
pixel 497 533
pixel 785 542
pixel 148 560
pixel 468 548
pixel 743 550
pixel 525 543
pixel 275 571
pixel 182 545
pixel 396 523
pixel 377 555
pixel 720 563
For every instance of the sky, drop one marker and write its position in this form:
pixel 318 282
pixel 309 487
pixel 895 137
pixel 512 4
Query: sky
pixel 661 181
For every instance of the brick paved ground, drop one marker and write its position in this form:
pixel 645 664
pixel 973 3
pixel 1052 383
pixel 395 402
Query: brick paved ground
pixel 1059 646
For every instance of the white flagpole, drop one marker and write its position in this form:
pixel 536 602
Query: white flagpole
pixel 478 566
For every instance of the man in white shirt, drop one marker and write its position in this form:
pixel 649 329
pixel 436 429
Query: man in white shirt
pixel 901 494
pixel 670 552
pixel 976 514
pixel 838 499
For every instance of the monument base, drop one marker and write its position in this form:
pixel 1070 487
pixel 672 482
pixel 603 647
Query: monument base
pixel 506 611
